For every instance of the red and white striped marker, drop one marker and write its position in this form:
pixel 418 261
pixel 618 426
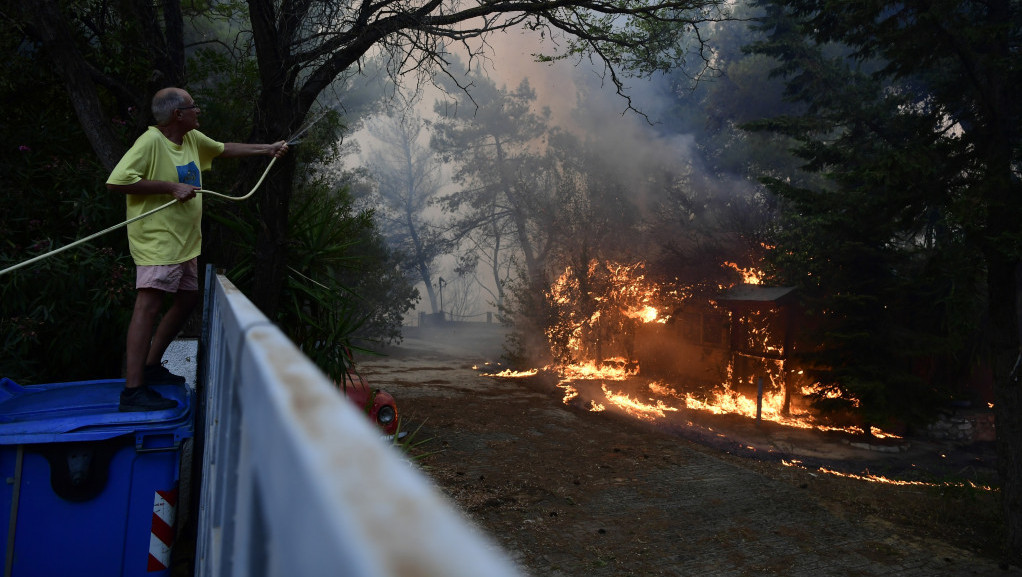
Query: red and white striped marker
pixel 161 539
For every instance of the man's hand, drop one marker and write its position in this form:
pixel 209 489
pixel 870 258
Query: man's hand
pixel 182 191
pixel 278 148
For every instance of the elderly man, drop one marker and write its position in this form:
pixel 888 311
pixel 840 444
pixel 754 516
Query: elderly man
pixel 165 163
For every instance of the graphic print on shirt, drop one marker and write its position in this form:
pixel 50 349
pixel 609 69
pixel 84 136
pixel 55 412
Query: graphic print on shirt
pixel 189 174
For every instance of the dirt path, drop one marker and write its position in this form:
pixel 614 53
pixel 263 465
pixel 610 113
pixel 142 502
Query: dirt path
pixel 572 492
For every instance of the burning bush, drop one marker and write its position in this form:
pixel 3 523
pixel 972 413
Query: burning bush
pixel 595 312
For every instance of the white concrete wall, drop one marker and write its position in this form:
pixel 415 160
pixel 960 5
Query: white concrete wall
pixel 297 482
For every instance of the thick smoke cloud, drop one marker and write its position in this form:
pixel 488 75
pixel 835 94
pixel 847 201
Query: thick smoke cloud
pixel 629 134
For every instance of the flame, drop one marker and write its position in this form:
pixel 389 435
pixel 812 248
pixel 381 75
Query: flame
pixel 758 335
pixel 637 408
pixel 749 275
pixel 869 477
pixel 721 400
pixel 508 373
pixel 724 401
pixel 570 393
pixel 646 314
pixel 596 313
pixel 593 308
pixel 616 369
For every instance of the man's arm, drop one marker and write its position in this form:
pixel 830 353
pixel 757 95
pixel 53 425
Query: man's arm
pixel 238 149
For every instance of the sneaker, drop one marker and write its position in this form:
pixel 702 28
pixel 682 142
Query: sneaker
pixel 144 399
pixel 159 375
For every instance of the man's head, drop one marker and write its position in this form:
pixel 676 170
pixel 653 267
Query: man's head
pixel 175 104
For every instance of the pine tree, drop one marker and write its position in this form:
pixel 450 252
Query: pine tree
pixel 909 117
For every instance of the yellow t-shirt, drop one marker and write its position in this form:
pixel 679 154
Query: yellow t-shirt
pixel 174 234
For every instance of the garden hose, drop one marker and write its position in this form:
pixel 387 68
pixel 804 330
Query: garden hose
pixel 291 141
pixel 139 217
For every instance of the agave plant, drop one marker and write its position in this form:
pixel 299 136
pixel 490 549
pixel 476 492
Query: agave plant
pixel 319 312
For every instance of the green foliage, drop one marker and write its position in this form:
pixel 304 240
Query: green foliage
pixel 876 241
pixel 409 442
pixel 54 195
pixel 643 39
pixel 224 84
pixel 343 287
pixel 50 307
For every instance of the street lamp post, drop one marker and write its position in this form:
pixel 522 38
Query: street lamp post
pixel 440 283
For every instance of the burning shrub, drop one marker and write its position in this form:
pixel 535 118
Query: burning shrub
pixel 596 311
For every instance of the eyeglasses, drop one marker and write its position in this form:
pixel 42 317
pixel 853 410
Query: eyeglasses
pixel 187 107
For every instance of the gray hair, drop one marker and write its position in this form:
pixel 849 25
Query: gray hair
pixel 165 102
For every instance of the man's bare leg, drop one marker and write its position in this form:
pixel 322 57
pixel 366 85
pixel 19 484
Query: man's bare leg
pixel 140 330
pixel 135 396
pixel 171 325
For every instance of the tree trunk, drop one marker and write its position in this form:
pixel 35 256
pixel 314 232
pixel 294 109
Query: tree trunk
pixel 273 201
pixel 430 293
pixel 421 261
pixel 495 271
pixel 57 40
pixel 1003 292
pixel 1003 261
pixel 270 249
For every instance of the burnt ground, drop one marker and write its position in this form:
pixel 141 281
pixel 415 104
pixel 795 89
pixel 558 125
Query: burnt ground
pixel 568 491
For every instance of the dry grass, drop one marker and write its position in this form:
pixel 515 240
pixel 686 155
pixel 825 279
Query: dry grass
pixel 948 510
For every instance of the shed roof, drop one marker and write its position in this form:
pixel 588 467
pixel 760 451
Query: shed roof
pixel 754 293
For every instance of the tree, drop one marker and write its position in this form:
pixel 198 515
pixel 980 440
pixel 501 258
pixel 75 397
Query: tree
pixel 345 288
pixel 303 46
pixel 923 171
pixel 485 247
pixel 739 89
pixel 408 180
pixel 57 197
pixel 492 136
pixel 51 198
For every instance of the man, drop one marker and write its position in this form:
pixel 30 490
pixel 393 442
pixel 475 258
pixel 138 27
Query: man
pixel 165 163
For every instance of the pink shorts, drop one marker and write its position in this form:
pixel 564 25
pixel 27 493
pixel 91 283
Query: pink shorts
pixel 169 277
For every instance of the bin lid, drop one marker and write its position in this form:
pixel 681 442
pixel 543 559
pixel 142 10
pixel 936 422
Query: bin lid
pixel 82 411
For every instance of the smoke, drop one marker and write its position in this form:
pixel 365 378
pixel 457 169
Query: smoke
pixel 630 132
pixel 580 93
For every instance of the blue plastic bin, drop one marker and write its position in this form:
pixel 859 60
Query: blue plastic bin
pixel 89 490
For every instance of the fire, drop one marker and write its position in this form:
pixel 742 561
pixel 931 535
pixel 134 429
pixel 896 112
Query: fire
pixel 720 401
pixel 616 369
pixel 637 408
pixel 723 400
pixel 749 275
pixel 508 373
pixel 596 308
pixel 646 314
pixel 570 393
pixel 597 314
pixel 869 477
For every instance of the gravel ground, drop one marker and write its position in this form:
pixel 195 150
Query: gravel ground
pixel 572 492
